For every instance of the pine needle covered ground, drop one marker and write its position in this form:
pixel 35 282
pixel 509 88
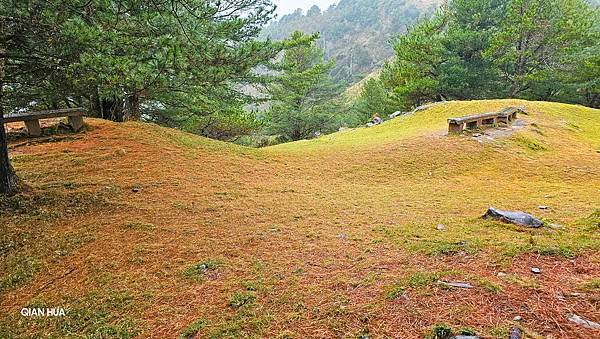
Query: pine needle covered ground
pixel 141 230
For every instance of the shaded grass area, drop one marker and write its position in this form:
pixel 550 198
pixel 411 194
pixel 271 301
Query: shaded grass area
pixel 98 314
pixel 27 239
pixel 318 238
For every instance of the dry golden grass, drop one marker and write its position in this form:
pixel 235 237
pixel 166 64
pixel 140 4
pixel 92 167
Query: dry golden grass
pixel 308 238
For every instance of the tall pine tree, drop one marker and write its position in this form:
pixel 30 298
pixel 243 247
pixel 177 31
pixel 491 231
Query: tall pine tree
pixel 125 58
pixel 303 95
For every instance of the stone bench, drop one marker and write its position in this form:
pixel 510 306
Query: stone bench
pixel 32 119
pixel 507 116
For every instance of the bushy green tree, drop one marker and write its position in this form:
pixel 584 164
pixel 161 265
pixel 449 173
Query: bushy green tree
pixel 303 95
pixel 374 99
pixel 585 79
pixel 127 58
pixel 465 72
pixel 534 41
pixel 413 76
pixel 473 49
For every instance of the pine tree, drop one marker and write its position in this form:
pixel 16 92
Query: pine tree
pixel 374 99
pixel 474 49
pixel 534 41
pixel 125 58
pixel 302 94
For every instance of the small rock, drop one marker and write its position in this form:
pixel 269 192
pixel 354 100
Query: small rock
pixel 501 274
pixel 440 227
pixel 120 152
pixel 456 284
pixel 342 236
pixel 542 207
pixel 584 322
pixel 515 333
pixel 516 217
pixel 476 135
pixel 404 296
pixel 135 189
pixel 517 318
pixel 575 294
pixel 536 270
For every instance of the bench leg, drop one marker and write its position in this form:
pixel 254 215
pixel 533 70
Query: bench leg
pixel 76 123
pixel 472 125
pixel 455 128
pixel 33 128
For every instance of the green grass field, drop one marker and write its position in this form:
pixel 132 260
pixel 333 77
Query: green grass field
pixel 331 237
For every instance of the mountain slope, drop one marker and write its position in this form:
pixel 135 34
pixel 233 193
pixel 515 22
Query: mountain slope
pixel 330 237
pixel 354 33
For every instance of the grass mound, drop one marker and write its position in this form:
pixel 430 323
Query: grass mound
pixel 333 237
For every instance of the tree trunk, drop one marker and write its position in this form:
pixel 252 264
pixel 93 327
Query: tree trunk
pixel 132 107
pixel 111 109
pixel 106 108
pixel 8 179
pixel 94 102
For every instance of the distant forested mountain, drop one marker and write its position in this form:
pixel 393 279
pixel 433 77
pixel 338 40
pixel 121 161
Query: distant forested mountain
pixel 354 33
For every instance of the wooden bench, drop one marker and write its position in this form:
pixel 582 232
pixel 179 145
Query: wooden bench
pixel 507 116
pixel 32 119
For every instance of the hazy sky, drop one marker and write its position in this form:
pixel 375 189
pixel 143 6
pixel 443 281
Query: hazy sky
pixel 288 6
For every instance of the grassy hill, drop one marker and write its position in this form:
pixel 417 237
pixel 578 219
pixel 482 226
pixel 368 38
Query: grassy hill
pixel 136 230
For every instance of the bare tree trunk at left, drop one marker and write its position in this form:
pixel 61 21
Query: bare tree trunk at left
pixel 8 179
